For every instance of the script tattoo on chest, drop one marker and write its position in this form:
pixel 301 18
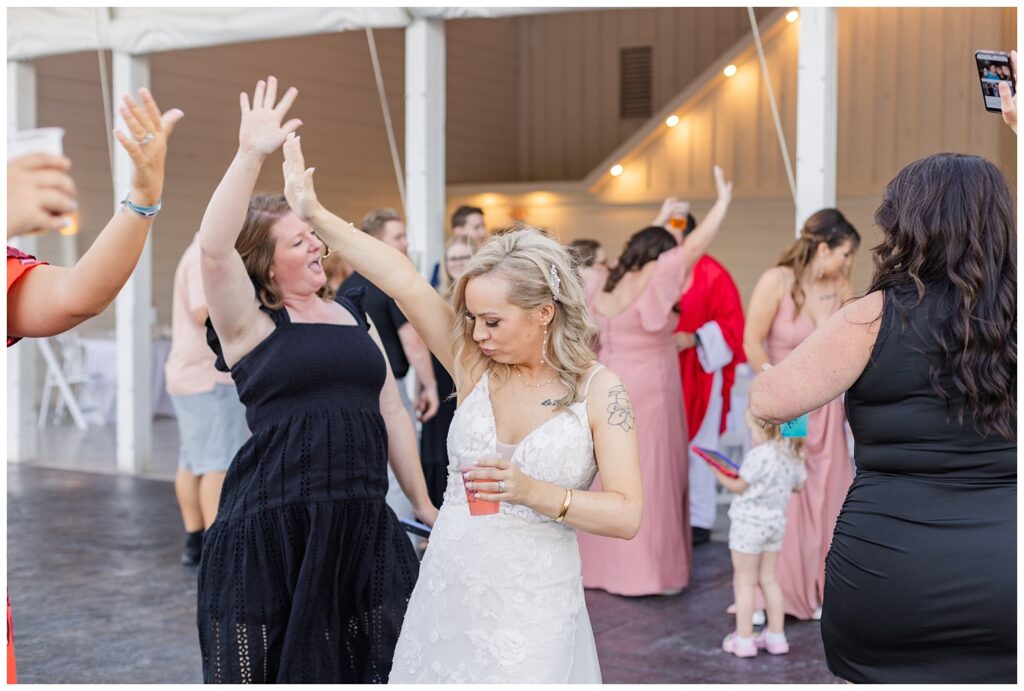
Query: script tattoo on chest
pixel 551 403
pixel 620 410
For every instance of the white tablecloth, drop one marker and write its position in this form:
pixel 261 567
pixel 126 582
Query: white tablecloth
pixel 100 393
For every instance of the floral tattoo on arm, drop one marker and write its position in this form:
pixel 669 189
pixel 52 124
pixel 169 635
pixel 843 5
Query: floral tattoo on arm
pixel 620 410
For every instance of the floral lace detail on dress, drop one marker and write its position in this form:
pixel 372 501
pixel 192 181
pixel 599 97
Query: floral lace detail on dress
pixel 500 597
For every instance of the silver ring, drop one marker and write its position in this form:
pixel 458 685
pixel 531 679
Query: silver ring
pixel 145 140
pixel 501 485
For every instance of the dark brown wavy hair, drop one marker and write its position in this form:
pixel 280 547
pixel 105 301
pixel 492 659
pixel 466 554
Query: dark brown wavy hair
pixel 828 226
pixel 950 234
pixel 642 247
pixel 255 244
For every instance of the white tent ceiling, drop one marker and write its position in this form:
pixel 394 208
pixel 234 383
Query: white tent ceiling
pixel 34 32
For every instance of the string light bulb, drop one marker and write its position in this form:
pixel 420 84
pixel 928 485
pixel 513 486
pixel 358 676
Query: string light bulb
pixel 616 170
pixel 792 16
pixel 672 120
pixel 729 70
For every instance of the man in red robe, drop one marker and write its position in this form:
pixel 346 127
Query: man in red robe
pixel 710 341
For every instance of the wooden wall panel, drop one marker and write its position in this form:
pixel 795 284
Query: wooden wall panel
pixel 685 41
pixel 484 99
pixel 910 89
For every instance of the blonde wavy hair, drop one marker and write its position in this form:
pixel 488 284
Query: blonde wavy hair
pixel 524 257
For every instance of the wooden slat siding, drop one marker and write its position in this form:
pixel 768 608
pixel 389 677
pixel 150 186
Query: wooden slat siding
pixel 524 102
pixel 484 94
pixel 698 33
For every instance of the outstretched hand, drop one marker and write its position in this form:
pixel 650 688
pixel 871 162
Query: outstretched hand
pixel 1008 101
pixel 298 180
pixel 147 144
pixel 723 188
pixel 261 132
pixel 665 212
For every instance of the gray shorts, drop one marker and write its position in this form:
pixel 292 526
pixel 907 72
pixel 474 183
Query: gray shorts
pixel 753 538
pixel 211 428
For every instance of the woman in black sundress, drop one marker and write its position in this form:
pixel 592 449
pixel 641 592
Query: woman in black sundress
pixel 306 573
pixel 920 581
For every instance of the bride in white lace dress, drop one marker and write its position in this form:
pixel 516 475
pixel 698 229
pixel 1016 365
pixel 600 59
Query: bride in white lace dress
pixel 500 597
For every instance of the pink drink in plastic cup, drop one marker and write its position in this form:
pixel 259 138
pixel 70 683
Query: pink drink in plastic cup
pixel 477 507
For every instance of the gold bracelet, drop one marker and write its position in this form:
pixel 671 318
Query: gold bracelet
pixel 565 506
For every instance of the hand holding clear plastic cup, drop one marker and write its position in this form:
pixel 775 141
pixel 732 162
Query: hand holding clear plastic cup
pixel 477 507
pixel 41 195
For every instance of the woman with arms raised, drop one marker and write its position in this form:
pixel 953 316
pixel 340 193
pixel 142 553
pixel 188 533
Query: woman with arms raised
pixel 500 597
pixel 305 574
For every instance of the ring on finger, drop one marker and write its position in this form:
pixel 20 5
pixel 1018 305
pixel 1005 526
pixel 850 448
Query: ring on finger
pixel 145 140
pixel 501 485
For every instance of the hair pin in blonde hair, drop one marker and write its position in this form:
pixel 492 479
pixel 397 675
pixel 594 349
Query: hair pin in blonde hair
pixel 555 281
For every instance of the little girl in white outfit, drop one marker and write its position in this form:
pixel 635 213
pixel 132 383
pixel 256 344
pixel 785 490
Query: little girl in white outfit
pixel 769 472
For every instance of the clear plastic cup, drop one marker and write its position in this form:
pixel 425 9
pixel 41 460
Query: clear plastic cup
pixel 477 507
pixel 42 140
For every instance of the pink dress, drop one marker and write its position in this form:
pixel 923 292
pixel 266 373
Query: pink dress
pixel 638 346
pixel 811 514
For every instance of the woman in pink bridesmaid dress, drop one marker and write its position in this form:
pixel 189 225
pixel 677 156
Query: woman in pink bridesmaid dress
pixel 808 284
pixel 634 311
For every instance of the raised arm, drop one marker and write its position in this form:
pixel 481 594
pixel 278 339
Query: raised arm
pixel 381 264
pixel 696 243
pixel 234 310
pixel 51 299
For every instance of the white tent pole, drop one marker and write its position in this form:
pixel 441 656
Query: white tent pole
pixel 22 379
pixel 816 109
pixel 134 313
pixel 425 139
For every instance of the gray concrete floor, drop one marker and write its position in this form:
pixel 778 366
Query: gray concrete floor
pixel 99 596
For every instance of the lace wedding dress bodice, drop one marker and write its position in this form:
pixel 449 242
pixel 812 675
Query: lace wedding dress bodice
pixel 500 598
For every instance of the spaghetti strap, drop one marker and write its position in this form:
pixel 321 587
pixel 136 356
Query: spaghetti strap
pixel 586 387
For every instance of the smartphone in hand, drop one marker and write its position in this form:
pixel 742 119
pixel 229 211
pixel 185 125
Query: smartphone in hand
pixel 994 67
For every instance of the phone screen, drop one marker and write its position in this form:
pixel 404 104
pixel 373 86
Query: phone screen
pixel 993 67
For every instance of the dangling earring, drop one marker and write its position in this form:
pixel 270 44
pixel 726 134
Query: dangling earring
pixel 544 345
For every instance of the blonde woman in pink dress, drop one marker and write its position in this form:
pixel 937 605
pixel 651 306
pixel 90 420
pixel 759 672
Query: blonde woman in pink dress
pixel 808 284
pixel 634 311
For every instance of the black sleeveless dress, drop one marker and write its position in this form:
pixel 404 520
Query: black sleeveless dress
pixel 921 579
pixel 306 573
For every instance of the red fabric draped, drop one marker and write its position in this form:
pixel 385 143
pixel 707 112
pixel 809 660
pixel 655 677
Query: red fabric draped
pixel 712 296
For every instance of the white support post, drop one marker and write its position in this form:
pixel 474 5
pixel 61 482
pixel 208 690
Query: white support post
pixel 134 311
pixel 22 379
pixel 425 140
pixel 817 98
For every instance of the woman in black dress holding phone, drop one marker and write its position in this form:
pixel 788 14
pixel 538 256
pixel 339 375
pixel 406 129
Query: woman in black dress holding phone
pixel 920 582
